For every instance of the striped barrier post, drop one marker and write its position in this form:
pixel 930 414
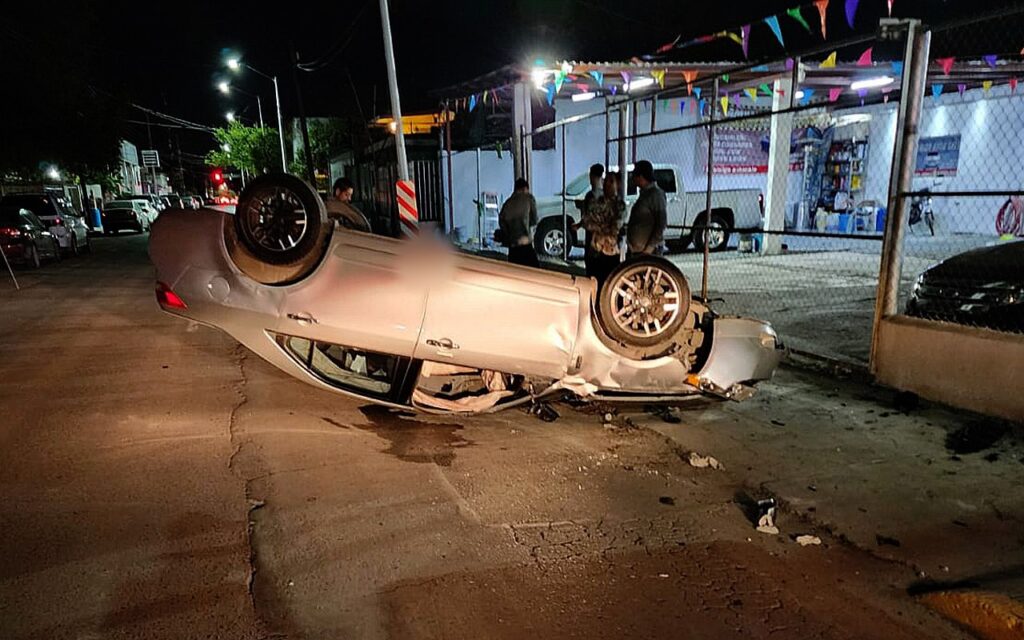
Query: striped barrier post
pixel 408 215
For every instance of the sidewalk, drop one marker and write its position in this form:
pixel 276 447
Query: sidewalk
pixel 936 490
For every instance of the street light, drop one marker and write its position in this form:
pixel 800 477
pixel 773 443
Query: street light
pixel 236 65
pixel 224 87
pixel 230 115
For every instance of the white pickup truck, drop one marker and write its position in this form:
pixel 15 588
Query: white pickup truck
pixel 730 209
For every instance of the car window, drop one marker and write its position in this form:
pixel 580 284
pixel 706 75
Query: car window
pixel 579 185
pixel 356 370
pixel 32 219
pixel 666 179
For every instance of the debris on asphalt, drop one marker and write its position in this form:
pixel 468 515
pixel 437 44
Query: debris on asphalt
pixel 778 423
pixel 881 540
pixel 667 414
pixel 806 539
pixel 698 461
pixel 544 411
pixel 669 500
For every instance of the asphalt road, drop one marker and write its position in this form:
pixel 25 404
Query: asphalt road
pixel 160 482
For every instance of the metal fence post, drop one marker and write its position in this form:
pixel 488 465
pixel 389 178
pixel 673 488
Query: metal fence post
pixel 565 215
pixel 912 90
pixel 707 203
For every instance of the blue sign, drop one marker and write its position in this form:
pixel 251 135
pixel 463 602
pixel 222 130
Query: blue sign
pixel 938 156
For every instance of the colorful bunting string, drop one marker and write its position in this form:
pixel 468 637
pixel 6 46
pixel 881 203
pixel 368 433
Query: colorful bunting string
pixel 598 76
pixel 551 94
pixel 690 76
pixel 897 68
pixel 960 88
pixel 764 87
pixel 752 94
pixel 834 93
pixel 946 64
pixel 806 97
pixel 659 77
pixel 986 85
pixel 889 2
pixel 1013 85
pixel 472 102
pixel 865 58
pixel 990 60
pixel 829 62
pixel 745 33
pixel 725 105
pixel 936 91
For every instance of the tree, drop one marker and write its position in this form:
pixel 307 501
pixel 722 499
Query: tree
pixel 254 149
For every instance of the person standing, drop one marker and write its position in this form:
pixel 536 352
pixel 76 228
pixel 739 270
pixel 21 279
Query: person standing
pixel 340 207
pixel 648 219
pixel 517 219
pixel 603 222
pixel 596 186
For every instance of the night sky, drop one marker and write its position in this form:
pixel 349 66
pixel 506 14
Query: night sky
pixel 168 55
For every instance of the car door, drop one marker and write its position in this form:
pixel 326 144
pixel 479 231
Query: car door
pixel 43 239
pixel 668 179
pixel 362 296
pixel 490 315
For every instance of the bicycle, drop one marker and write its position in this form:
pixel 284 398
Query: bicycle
pixel 921 209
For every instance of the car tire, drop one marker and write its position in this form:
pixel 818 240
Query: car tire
pixel 279 231
pixel 718 229
pixel 550 238
pixel 643 304
pixel 57 255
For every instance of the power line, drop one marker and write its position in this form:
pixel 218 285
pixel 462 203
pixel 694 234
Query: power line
pixel 327 58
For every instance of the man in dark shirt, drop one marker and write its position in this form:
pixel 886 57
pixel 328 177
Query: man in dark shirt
pixel 596 190
pixel 649 216
pixel 517 219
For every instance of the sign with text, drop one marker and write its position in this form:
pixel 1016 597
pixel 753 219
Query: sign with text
pixel 739 151
pixel 938 156
pixel 150 158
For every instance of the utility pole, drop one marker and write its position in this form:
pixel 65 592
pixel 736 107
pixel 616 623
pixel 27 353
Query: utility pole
pixel 310 171
pixel 396 107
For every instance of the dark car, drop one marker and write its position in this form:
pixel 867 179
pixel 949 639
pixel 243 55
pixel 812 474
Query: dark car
pixel 67 225
pixel 982 287
pixel 25 238
pixel 174 202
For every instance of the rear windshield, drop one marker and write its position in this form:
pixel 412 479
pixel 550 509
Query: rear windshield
pixel 10 217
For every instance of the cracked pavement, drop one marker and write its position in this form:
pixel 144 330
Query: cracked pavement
pixel 160 482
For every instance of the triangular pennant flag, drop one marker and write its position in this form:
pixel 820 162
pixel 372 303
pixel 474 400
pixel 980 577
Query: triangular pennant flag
pixel 615 90
pixel 806 97
pixel 936 91
pixel 697 91
pixel 789 64
pixel 865 58
pixel 889 2
pixel 735 99
pixel 861 93
pixel 751 93
pixel 551 94
pixel 659 77
pixel 897 68
pixel 851 11
pixel 472 102
pixel 946 64
pixel 559 80
pixel 690 76
pixel 986 85
pixel 822 6
pixel 735 37
pixel 1013 85
pixel 829 62
pixel 885 97
pixel 682 106
pixel 960 88
pixel 990 60
pixel 597 75
pixel 700 105
pixel 764 87
pixel 725 78
pixel 773 24
pixel 834 93
pixel 484 97
pixel 625 77
pixel 745 33
pixel 795 14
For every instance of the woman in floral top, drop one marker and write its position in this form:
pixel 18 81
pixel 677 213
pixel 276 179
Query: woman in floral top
pixel 603 219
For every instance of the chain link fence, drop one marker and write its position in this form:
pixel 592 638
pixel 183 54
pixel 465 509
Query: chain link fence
pixel 963 249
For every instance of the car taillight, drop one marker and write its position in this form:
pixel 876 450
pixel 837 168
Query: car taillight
pixel 167 298
pixel 57 221
pixel 8 232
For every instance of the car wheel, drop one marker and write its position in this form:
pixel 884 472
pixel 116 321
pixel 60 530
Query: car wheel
pixel 57 255
pixel 717 233
pixel 644 303
pixel 33 260
pixel 279 231
pixel 550 238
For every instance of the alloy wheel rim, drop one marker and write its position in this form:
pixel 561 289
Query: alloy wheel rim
pixel 554 242
pixel 276 219
pixel 645 301
pixel 714 234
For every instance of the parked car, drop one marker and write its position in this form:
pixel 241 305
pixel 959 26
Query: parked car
pixel 191 202
pixel 66 224
pixel 155 201
pixel 173 201
pixel 983 287
pixel 414 324
pixel 126 214
pixel 25 238
pixel 731 209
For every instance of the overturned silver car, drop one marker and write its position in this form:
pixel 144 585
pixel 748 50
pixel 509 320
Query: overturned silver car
pixel 414 324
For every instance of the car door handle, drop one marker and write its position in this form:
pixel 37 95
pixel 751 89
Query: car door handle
pixel 302 318
pixel 443 343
